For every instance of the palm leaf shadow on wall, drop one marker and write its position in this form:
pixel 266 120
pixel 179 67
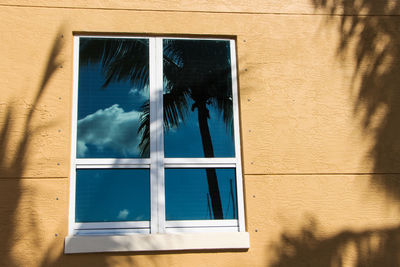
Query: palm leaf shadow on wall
pixel 17 195
pixel 13 167
pixel 377 52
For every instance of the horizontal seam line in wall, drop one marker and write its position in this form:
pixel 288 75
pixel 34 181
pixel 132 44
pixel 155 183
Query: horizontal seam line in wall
pixel 204 11
pixel 33 178
pixel 325 173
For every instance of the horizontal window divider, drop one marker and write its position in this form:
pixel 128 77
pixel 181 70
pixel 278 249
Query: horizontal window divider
pixel 199 165
pixel 93 161
pixel 110 225
pixel 113 166
pixel 97 232
pixel 201 229
pixel 202 223
pixel 200 160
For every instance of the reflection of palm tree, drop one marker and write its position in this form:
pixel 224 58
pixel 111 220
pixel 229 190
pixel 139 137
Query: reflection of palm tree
pixel 194 71
pixel 199 70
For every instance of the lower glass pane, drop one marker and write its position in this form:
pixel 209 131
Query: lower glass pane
pixel 200 194
pixel 109 195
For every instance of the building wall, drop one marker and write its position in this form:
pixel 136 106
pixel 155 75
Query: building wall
pixel 319 105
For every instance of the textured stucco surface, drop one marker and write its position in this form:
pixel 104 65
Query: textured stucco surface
pixel 380 7
pixel 309 160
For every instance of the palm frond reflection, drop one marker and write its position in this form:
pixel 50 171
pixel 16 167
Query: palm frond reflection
pixel 197 100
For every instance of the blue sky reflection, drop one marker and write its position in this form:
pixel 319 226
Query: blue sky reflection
pixel 107 195
pixel 187 197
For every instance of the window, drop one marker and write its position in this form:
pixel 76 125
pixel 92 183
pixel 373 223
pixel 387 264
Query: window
pixel 155 137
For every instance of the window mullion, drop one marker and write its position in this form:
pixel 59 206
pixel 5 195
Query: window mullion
pixel 160 136
pixel 153 134
pixel 156 137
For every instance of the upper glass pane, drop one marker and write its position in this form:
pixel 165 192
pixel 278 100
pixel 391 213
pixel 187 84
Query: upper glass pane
pixel 113 97
pixel 110 195
pixel 198 113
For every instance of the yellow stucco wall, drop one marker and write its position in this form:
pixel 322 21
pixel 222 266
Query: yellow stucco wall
pixel 319 107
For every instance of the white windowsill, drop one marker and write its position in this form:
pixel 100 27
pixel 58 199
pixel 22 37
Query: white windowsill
pixel 156 242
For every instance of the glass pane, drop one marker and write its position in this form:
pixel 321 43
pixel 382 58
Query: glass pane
pixel 198 117
pixel 188 197
pixel 109 195
pixel 113 97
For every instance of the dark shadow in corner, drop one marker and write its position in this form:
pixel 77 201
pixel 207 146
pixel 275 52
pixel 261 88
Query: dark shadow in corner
pixel 376 34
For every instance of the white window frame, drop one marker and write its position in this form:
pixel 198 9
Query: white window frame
pixel 157 162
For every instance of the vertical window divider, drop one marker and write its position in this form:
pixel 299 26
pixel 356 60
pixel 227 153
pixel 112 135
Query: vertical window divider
pixel 157 140
pixel 153 141
pixel 160 135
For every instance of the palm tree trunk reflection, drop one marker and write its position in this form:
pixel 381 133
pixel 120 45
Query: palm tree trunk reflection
pixel 196 70
pixel 213 188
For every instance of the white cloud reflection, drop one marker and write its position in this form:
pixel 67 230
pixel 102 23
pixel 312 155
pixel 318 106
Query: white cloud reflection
pixel 112 129
pixel 123 214
pixel 141 92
